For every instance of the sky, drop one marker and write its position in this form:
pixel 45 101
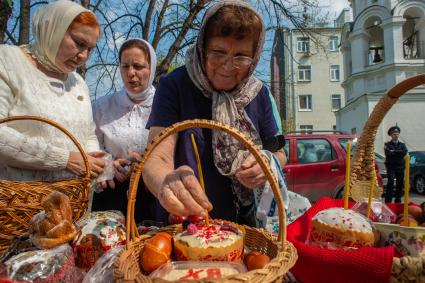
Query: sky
pixel 335 6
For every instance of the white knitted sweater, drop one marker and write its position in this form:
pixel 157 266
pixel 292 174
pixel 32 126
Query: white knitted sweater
pixel 32 150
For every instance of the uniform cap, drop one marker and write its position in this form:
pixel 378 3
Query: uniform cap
pixel 393 129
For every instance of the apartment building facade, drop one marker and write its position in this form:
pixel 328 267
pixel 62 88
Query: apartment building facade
pixel 382 46
pixel 306 76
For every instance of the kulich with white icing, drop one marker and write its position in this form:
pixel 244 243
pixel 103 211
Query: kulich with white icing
pixel 341 228
pixel 219 241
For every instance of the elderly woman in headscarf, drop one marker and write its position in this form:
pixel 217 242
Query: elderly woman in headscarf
pixel 40 80
pixel 120 125
pixel 216 83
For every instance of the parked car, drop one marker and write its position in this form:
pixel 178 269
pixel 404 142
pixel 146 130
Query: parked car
pixel 316 163
pixel 417 171
pixel 380 161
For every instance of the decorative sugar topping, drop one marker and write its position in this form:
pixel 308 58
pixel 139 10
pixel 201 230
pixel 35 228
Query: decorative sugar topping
pixel 192 229
pixel 344 218
pixel 215 234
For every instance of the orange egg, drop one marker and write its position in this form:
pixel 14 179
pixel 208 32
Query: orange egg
pixel 416 212
pixel 256 260
pixel 156 252
pixel 411 221
pixel 249 255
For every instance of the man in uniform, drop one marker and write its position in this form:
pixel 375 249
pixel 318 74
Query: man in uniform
pixel 395 151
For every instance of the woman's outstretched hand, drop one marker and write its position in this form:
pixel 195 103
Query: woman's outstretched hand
pixel 250 173
pixel 181 194
pixel 76 163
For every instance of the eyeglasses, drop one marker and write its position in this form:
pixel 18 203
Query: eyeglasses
pixel 218 59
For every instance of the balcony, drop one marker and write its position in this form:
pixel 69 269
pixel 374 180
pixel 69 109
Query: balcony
pixel 413 49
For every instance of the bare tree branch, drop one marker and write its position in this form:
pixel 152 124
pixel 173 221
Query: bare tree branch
pixel 24 22
pixel 193 12
pixel 5 13
pixel 148 19
pixel 158 30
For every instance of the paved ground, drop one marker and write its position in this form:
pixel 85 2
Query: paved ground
pixel 417 198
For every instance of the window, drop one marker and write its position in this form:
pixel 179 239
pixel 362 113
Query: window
pixel 333 43
pixel 304 73
pixel 303 44
pixel 314 150
pixel 344 142
pixel 286 149
pixel 334 127
pixel 334 73
pixel 305 102
pixel 306 129
pixel 336 102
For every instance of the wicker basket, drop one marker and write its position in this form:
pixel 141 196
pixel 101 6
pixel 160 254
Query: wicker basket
pixel 19 201
pixel 282 252
pixel 405 269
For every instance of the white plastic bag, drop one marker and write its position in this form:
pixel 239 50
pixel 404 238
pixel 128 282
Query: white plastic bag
pixel 108 170
pixel 103 268
pixel 52 265
pixel 108 173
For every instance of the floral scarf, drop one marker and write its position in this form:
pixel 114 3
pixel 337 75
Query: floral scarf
pixel 228 107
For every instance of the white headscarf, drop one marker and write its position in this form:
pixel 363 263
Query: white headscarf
pixel 49 26
pixel 150 90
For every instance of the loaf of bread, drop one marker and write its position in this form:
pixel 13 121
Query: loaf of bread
pixel 53 226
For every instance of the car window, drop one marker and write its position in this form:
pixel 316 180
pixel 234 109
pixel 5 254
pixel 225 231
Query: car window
pixel 344 141
pixel 416 158
pixel 379 158
pixel 314 150
pixel 420 158
pixel 286 149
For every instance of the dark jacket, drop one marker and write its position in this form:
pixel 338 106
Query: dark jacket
pixel 394 154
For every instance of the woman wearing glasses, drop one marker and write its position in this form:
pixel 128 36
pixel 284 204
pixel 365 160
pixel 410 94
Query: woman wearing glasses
pixel 216 83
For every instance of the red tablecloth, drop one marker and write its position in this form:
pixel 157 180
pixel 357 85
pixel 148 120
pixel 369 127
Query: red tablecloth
pixel 322 265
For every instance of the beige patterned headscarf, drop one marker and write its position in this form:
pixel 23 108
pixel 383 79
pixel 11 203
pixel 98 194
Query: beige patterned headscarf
pixel 49 26
pixel 228 107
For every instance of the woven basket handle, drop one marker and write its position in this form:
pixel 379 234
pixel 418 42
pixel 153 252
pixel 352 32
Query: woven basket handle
pixel 59 127
pixel 200 123
pixel 363 165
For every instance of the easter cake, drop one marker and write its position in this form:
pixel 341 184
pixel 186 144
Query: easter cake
pixel 217 241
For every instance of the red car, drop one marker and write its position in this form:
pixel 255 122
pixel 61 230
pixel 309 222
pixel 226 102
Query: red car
pixel 316 163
